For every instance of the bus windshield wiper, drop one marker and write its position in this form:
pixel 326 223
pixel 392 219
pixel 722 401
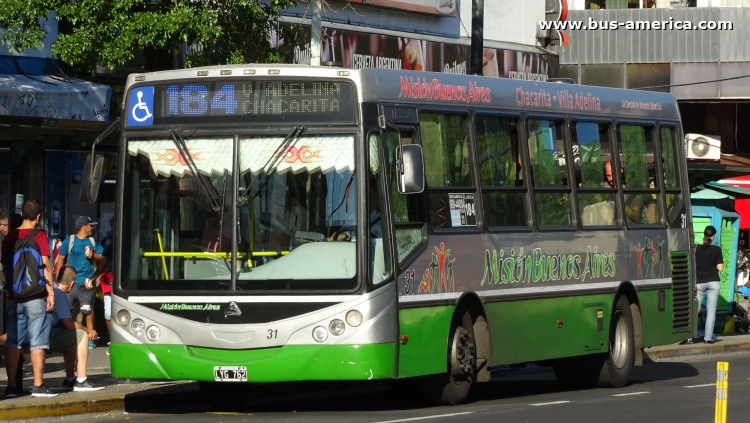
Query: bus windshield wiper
pixel 273 161
pixel 211 193
pixel 223 201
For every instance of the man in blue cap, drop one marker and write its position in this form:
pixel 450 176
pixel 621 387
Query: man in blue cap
pixel 84 255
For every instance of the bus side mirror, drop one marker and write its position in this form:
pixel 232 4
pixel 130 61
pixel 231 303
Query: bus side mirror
pixel 411 173
pixel 92 174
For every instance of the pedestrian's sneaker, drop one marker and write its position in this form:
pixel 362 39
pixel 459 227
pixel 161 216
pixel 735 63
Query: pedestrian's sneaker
pixel 86 385
pixel 11 392
pixel 42 391
pixel 91 344
pixel 68 385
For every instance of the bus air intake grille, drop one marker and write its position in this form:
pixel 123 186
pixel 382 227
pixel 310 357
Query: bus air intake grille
pixel 681 295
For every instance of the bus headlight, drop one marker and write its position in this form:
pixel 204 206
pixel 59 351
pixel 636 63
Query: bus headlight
pixel 137 327
pixel 320 334
pixel 153 333
pixel 337 327
pixel 354 318
pixel 123 318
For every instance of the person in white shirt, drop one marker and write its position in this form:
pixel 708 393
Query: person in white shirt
pixel 70 337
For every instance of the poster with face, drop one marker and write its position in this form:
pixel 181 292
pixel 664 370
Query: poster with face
pixel 515 64
pixel 359 50
pixel 430 7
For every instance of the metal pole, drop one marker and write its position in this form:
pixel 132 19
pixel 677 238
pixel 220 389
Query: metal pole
pixel 315 37
pixel 477 36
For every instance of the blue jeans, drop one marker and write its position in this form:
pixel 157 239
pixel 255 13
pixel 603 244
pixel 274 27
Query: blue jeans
pixel 28 322
pixel 710 291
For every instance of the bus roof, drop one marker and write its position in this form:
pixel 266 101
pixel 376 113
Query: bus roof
pixel 429 88
pixel 433 89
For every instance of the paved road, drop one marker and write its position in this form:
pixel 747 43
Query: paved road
pixel 666 391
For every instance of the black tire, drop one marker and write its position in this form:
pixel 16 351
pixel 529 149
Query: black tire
pixel 225 396
pixel 453 388
pixel 612 370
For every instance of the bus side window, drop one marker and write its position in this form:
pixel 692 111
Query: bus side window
pixel 636 150
pixel 406 209
pixel 593 160
pixel 500 164
pixel 549 170
pixel 671 175
pixel 450 187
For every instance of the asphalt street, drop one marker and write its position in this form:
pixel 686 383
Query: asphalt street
pixel 682 391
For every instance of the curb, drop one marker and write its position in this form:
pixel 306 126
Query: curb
pixel 99 404
pixel 695 350
pixel 56 409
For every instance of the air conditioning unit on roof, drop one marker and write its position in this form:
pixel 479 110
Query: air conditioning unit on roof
pixel 704 147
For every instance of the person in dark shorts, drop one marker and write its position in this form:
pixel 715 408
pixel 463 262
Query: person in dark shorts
pixel 29 319
pixel 708 263
pixel 84 255
pixel 69 337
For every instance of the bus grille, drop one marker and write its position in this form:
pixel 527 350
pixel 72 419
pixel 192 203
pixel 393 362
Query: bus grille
pixel 681 295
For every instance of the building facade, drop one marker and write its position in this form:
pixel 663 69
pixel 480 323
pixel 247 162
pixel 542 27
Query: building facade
pixel 707 69
pixel 406 34
pixel 48 121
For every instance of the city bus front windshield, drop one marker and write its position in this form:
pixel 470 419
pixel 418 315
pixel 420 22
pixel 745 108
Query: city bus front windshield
pixel 293 221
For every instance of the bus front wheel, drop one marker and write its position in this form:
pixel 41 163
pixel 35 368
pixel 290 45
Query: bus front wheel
pixel 613 368
pixel 453 387
pixel 225 396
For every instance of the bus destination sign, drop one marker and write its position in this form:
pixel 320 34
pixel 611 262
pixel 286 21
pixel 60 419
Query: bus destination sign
pixel 246 101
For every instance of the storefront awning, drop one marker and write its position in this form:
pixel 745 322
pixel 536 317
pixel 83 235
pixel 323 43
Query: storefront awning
pixel 735 192
pixel 49 97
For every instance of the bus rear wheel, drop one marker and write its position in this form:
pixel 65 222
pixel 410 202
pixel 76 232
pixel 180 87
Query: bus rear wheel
pixel 225 396
pixel 613 368
pixel 453 388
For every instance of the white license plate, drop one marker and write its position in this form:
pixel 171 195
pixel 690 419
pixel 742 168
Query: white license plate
pixel 230 373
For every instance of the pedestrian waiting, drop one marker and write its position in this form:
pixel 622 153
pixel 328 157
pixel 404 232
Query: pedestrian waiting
pixel 70 337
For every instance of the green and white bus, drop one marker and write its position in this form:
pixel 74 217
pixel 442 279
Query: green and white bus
pixel 294 223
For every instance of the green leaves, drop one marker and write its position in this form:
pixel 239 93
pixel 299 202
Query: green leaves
pixel 112 33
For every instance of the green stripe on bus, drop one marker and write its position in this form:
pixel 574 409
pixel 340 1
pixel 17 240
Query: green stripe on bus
pixel 287 363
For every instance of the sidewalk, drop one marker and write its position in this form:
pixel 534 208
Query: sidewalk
pixel 122 394
pixel 118 394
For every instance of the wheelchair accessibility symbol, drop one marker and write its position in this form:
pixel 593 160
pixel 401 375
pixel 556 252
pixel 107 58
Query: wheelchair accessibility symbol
pixel 141 105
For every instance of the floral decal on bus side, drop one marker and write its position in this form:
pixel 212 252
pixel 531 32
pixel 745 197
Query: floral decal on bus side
pixel 439 271
pixel 438 277
pixel 649 256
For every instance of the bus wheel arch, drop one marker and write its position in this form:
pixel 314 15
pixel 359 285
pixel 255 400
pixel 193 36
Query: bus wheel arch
pixel 454 385
pixel 612 369
pixel 628 290
pixel 470 301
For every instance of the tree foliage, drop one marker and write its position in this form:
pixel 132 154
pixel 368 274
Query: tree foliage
pixel 110 33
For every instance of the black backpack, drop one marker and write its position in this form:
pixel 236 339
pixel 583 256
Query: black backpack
pixel 28 268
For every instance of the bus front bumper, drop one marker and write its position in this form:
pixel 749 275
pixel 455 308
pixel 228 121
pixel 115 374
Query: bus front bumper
pixel 280 364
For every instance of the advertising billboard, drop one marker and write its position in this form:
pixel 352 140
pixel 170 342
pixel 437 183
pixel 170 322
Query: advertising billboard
pixel 430 7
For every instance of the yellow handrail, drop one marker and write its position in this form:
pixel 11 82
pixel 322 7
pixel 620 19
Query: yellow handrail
pixel 221 255
pixel 268 253
pixel 163 260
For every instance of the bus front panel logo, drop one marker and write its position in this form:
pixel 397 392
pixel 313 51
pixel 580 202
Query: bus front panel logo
pixel 141 107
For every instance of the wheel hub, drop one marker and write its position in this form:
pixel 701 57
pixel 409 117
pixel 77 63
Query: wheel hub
pixel 464 353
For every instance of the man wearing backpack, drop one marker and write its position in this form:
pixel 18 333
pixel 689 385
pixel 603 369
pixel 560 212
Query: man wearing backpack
pixel 31 297
pixel 84 255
